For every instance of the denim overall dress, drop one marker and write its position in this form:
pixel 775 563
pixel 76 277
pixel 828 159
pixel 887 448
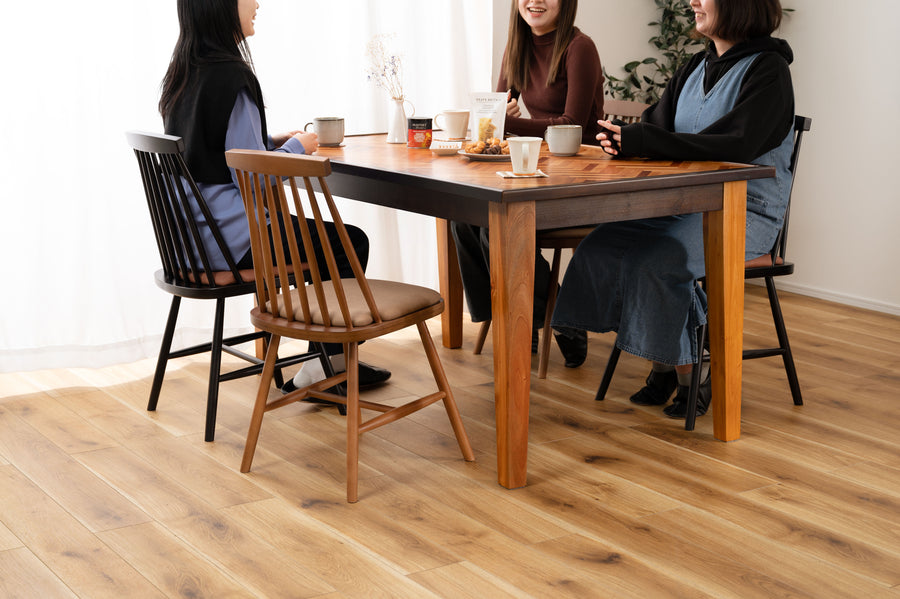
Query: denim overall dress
pixel 638 278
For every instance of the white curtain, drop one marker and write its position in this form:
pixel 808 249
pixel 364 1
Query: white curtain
pixel 78 250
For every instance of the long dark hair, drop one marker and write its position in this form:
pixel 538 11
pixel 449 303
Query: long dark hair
pixel 519 45
pixel 209 31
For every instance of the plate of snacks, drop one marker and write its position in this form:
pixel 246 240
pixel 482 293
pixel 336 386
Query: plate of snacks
pixel 489 151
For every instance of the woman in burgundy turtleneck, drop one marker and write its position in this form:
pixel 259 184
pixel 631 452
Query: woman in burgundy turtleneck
pixel 554 70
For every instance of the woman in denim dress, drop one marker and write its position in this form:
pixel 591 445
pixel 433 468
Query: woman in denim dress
pixel 732 102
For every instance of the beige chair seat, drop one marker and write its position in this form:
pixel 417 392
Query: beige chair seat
pixel 394 300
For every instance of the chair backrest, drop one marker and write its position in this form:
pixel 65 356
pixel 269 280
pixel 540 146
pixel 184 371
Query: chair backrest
pixel 625 110
pixel 264 177
pixel 182 249
pixel 801 125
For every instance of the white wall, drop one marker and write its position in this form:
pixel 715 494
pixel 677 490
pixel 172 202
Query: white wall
pixel 846 204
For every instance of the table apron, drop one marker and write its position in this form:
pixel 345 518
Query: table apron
pixel 549 214
pixel 596 209
pixel 398 196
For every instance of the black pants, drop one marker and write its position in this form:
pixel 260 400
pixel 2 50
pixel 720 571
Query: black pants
pixel 473 252
pixel 358 239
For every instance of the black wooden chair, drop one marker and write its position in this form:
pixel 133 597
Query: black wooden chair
pixel 186 273
pixel 767 267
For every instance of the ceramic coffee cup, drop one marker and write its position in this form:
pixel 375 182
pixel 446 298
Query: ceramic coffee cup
pixel 524 153
pixel 563 140
pixel 454 123
pixel 330 130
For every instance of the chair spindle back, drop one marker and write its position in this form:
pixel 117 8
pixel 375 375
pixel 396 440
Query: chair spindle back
pixel 182 249
pixel 267 175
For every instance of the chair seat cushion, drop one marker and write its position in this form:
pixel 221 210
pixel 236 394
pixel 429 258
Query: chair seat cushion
pixel 764 260
pixel 394 300
pixel 221 278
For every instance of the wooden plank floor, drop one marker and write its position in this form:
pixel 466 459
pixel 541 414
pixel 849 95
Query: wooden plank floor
pixel 99 498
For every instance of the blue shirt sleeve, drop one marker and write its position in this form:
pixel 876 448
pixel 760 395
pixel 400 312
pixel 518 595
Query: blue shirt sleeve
pixel 245 130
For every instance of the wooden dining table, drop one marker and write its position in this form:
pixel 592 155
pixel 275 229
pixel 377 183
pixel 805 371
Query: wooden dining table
pixel 588 188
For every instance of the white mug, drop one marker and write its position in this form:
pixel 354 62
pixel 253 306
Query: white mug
pixel 524 153
pixel 455 123
pixel 563 140
pixel 330 130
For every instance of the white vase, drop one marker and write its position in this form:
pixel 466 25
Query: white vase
pixel 397 121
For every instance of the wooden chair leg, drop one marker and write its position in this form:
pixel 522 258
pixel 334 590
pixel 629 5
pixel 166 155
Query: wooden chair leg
pixel 259 408
pixel 215 366
pixel 354 418
pixel 552 290
pixel 440 377
pixel 482 337
pixel 783 342
pixel 608 373
pixel 164 349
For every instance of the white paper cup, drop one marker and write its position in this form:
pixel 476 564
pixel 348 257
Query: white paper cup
pixel 524 153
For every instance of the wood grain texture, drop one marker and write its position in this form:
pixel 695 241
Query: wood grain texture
pixel 726 229
pixel 585 189
pixel 99 498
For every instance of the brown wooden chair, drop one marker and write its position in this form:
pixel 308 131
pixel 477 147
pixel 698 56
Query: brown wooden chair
pixel 565 238
pixel 345 311
pixel 187 273
pixel 767 267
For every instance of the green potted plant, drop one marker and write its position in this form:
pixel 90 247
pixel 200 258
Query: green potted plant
pixel 645 79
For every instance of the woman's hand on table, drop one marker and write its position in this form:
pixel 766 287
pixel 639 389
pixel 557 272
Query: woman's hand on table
pixel 610 137
pixel 310 141
pixel 279 139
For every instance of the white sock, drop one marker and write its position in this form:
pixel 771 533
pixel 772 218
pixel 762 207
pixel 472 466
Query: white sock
pixel 311 372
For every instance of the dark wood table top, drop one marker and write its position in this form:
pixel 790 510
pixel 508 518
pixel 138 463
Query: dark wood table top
pixel 457 188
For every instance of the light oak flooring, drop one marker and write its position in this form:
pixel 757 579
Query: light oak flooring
pixel 99 498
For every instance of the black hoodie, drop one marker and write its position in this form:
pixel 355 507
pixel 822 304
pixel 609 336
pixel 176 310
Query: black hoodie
pixel 762 115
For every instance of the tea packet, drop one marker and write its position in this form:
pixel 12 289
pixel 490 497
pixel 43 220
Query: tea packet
pixel 488 115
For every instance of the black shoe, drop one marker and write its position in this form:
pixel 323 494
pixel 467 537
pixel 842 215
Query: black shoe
pixel 369 376
pixel 658 390
pixel 573 345
pixel 679 406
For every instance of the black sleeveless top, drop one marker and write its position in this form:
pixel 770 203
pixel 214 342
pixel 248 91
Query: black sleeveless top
pixel 201 115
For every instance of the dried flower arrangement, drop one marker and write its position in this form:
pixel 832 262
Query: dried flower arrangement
pixel 385 67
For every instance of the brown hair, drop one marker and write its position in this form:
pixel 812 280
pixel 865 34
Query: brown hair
pixel 740 20
pixel 519 45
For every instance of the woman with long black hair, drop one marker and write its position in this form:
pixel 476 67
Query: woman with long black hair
pixel 212 99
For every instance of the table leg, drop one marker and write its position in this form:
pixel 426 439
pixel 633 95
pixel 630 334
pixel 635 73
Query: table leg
pixel 450 286
pixel 724 233
pixel 512 235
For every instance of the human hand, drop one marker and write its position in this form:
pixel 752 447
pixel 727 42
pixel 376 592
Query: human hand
pixel 610 137
pixel 512 108
pixel 279 139
pixel 310 141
